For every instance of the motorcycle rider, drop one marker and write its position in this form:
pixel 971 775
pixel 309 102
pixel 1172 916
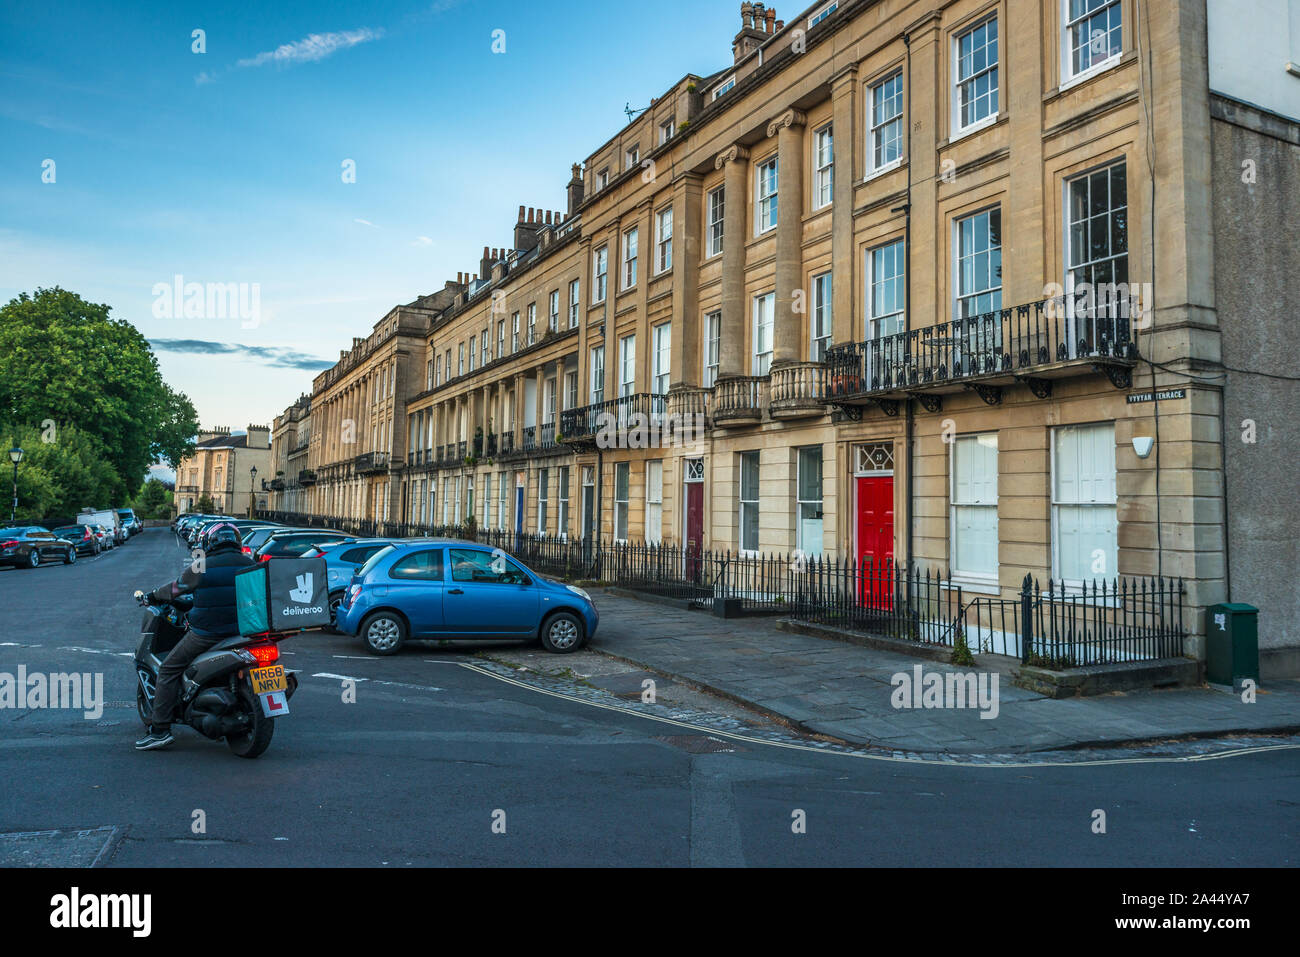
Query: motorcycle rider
pixel 210 578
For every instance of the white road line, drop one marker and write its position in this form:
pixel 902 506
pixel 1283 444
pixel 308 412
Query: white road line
pixel 326 674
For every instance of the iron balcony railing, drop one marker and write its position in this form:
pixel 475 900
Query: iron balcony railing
pixel 528 441
pixel 630 411
pixel 371 462
pixel 491 444
pixel 1006 342
pixel 307 477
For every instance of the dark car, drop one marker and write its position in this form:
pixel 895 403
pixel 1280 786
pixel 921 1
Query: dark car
pixel 292 544
pixel 83 538
pixel 27 547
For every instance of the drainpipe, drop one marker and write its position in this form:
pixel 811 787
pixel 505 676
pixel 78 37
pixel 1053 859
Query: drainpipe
pixel 910 425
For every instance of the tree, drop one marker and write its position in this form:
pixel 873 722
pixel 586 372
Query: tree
pixel 62 471
pixel 64 362
pixel 205 505
pixel 152 502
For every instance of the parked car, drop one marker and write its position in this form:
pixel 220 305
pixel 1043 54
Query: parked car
pixel 82 537
pixel 195 532
pixel 443 588
pixel 342 561
pixel 107 517
pixel 292 543
pixel 28 546
pixel 130 522
pixel 104 536
pixel 255 537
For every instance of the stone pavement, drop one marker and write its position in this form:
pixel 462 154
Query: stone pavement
pixel 844 691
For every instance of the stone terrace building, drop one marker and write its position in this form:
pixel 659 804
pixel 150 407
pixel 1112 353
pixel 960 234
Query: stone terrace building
pixel 220 468
pixel 933 273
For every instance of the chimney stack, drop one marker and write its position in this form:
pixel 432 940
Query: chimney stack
pixel 526 229
pixel 574 189
pixel 771 19
pixel 485 264
pixel 754 30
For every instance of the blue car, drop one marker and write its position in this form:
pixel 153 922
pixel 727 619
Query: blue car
pixel 439 588
pixel 342 561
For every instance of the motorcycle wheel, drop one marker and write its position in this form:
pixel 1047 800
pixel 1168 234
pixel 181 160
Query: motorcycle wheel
pixel 142 707
pixel 256 739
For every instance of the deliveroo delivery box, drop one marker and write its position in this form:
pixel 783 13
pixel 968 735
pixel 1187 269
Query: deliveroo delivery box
pixel 284 594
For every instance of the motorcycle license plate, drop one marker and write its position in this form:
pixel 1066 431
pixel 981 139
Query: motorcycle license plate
pixel 268 679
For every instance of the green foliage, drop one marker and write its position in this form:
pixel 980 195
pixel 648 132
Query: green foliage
pixel 205 505
pixel 152 500
pixel 63 471
pixel 961 654
pixel 65 363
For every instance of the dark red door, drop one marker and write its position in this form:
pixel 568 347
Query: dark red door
pixel 694 527
pixel 876 540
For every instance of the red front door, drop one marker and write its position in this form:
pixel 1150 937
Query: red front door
pixel 694 527
pixel 876 540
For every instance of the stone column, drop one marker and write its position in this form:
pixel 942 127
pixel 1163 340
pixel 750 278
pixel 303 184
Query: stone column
pixel 687 223
pixel 731 345
pixel 844 100
pixel 788 325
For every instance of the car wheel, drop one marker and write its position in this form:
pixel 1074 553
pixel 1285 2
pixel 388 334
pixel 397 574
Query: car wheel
pixel 562 633
pixel 71 557
pixel 336 600
pixel 384 633
pixel 33 558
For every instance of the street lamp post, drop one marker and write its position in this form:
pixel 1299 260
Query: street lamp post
pixel 15 456
pixel 252 495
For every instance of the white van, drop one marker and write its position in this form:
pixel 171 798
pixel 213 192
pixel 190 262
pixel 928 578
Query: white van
pixel 107 517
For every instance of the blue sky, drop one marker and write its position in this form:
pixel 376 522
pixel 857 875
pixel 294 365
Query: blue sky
pixel 225 166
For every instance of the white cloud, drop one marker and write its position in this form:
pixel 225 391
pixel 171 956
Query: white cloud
pixel 366 222
pixel 313 47
pixel 422 241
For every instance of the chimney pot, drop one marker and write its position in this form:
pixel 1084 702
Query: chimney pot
pixel 771 19
pixel 521 214
pixel 780 25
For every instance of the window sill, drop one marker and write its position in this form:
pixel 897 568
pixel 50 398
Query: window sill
pixel 1088 74
pixel 974 128
pixel 881 171
pixel 977 585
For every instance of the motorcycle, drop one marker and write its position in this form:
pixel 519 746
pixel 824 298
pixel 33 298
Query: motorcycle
pixel 234 690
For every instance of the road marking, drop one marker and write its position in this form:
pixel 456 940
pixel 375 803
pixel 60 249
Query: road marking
pixel 326 674
pixel 867 756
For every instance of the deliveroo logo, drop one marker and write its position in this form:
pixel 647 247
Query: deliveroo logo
pixel 302 594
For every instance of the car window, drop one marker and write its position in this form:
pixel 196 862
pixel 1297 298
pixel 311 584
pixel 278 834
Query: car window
pixel 472 565
pixel 359 556
pixel 375 559
pixel 423 566
pixel 38 533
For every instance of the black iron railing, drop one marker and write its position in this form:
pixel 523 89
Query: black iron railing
pixel 1005 342
pixel 612 415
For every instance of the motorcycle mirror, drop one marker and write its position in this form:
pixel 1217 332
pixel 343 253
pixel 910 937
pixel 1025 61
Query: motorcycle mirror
pixel 139 595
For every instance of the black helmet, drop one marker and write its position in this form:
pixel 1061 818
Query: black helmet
pixel 221 535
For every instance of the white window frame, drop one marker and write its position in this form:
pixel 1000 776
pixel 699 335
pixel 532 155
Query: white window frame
pixel 627 365
pixel 712 347
pixel 750 548
pixel 632 156
pixel 959 296
pixel 532 323
pixel 553 319
pixel 621 516
pixel 1083 327
pixel 503 500
pixel 654 501
pixel 597 375
pixel 875 321
pixel 765 203
pixel 1069 76
pixel 473 344
pixel 460 359
pixel 575 302
pixel 602 179
pixel 514 332
pixel 958 129
pixel 631 252
pixel 501 338
pixel 1107 500
pixel 883 130
pixel 810 549
pixel 723 87
pixel 761 361
pixel 822 13
pixel 662 357
pixel 600 273
pixel 667 130
pixel 823 167
pixel 563 491
pixel 821 317
pixel 716 215
pixel 543 498
pixel 664 240
pixel 985 501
